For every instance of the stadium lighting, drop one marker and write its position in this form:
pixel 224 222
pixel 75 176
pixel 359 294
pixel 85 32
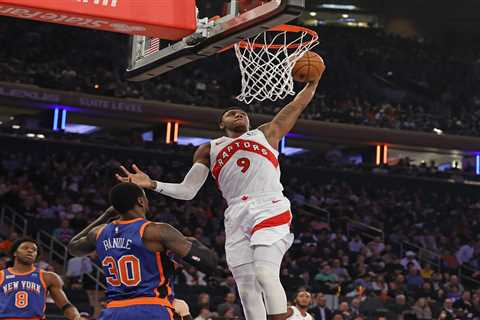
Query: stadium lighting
pixel 80 128
pixel 345 16
pixel 64 119
pixel 338 6
pixel 55 120
pixel 16 127
pixel 438 131
pixel 195 141
pixel 12 118
pixel 40 136
pixel 313 14
pixel 477 170
pixel 31 135
pixel 378 155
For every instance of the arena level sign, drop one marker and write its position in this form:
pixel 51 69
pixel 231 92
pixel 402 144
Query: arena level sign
pixel 139 17
pixel 28 96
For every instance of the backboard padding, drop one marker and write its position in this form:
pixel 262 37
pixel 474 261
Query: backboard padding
pixel 222 33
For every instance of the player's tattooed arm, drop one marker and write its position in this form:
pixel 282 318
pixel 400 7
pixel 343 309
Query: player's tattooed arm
pixel 55 286
pixel 286 118
pixel 84 243
pixel 162 236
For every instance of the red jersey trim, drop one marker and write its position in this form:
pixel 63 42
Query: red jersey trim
pixel 275 221
pixel 240 144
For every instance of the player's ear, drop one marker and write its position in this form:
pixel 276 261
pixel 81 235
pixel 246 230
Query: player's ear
pixel 221 125
pixel 141 202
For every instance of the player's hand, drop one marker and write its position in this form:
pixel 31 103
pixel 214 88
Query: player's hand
pixel 138 177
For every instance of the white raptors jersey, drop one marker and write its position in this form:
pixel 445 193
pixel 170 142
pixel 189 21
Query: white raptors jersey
pixel 297 315
pixel 245 166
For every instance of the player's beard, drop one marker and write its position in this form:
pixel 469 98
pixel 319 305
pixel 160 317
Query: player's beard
pixel 25 261
pixel 239 128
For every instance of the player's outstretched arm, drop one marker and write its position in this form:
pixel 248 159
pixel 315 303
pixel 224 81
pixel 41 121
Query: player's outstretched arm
pixel 55 287
pixel 186 190
pixel 84 242
pixel 166 237
pixel 286 118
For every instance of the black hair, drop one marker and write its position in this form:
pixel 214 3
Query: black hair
pixel 17 243
pixel 300 290
pixel 230 109
pixel 123 196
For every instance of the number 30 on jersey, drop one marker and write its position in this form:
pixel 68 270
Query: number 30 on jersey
pixel 125 271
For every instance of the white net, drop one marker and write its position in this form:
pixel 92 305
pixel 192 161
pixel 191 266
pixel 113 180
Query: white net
pixel 266 63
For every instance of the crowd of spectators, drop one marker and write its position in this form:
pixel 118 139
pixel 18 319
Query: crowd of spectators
pixel 372 78
pixel 350 271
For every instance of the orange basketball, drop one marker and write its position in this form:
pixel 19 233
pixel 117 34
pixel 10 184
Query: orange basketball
pixel 308 68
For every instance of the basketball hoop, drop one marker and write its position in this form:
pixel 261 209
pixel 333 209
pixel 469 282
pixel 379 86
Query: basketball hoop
pixel 266 61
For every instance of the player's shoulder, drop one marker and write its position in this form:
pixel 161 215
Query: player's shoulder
pixel 202 154
pixel 51 278
pixel 155 229
pixel 96 232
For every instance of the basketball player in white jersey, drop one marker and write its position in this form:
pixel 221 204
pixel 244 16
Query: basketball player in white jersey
pixel 298 311
pixel 245 166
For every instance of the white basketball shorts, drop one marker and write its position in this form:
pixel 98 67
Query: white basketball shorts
pixel 251 221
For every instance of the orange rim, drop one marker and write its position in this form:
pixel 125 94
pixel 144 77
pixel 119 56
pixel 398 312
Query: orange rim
pixel 281 28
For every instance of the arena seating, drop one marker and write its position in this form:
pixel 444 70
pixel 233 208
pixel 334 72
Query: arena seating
pixel 61 185
pixel 376 79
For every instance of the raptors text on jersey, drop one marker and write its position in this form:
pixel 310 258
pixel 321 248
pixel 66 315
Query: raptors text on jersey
pixel 247 165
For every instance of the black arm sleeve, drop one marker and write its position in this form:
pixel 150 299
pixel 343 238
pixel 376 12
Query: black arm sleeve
pixel 202 257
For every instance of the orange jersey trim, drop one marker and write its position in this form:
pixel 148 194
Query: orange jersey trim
pixel 160 271
pixel 142 228
pixel 275 221
pixel 139 301
pixel 20 273
pixel 42 279
pixel 2 276
pixel 22 318
pixel 99 232
pixel 127 221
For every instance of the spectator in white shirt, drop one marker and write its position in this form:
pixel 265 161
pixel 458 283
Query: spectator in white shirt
pixel 78 266
pixel 410 258
pixel 356 245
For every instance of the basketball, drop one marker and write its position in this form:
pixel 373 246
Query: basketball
pixel 308 68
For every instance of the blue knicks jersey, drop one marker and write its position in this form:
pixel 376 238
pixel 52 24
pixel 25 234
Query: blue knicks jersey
pixel 22 295
pixel 131 270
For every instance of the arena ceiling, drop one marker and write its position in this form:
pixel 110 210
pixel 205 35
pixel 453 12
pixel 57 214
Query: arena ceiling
pixel 429 16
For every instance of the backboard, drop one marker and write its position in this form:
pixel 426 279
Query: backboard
pixel 240 19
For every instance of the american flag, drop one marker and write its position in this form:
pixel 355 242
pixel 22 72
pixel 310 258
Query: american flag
pixel 152 45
